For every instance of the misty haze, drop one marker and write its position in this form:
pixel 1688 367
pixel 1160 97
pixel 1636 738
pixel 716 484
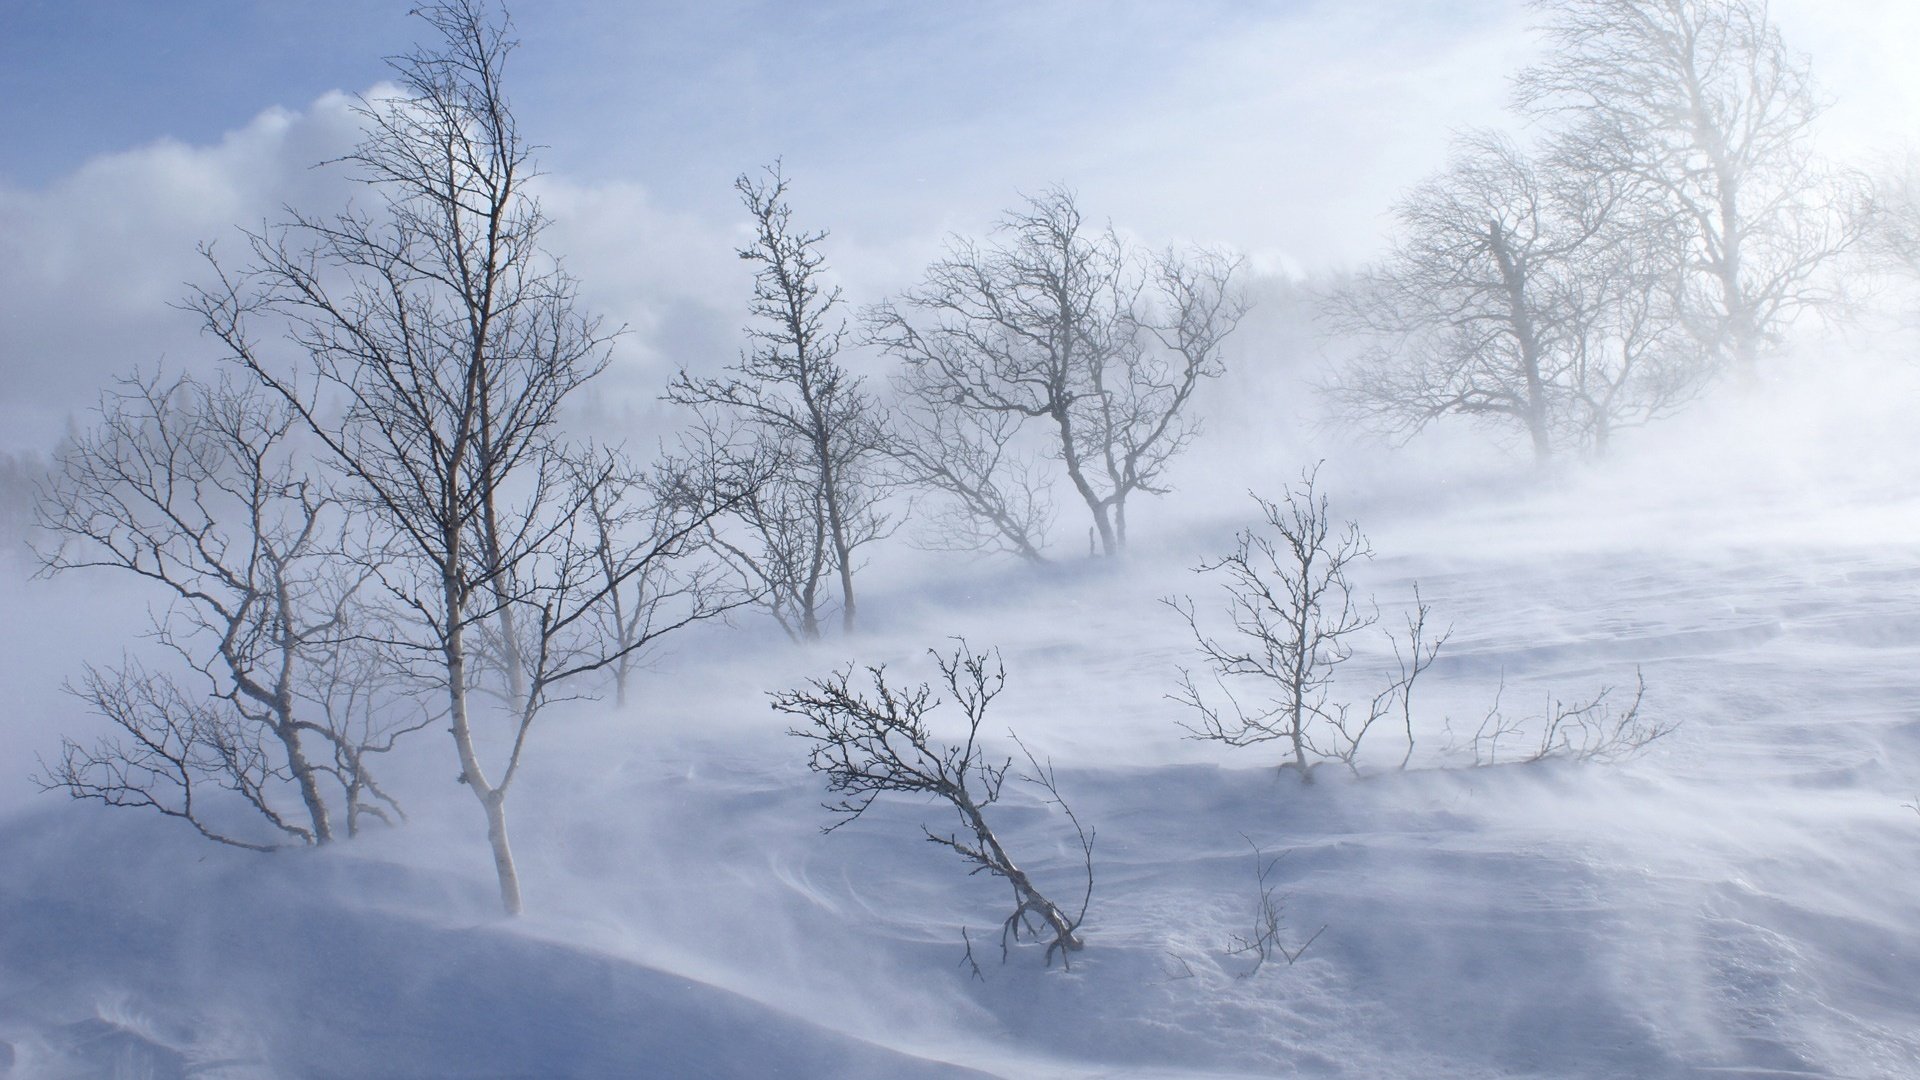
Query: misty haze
pixel 856 540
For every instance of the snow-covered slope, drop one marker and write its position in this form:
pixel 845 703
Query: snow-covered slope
pixel 1741 900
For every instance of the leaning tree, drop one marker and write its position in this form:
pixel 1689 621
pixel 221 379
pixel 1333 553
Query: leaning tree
pixel 872 743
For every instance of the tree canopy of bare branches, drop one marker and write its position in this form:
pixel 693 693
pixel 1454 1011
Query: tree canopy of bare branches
pixel 805 415
pixel 1061 325
pixel 1524 292
pixel 1462 303
pixel 1891 222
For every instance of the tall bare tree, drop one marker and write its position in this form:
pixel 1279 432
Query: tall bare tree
pixel 439 342
pixel 804 410
pixel 191 486
pixel 1704 103
pixel 1064 326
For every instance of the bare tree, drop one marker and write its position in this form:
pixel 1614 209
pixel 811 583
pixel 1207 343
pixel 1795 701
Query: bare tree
pixel 1538 294
pixel 626 511
pixel 1620 307
pixel 805 410
pixel 868 746
pixel 1461 312
pixel 1703 102
pixel 772 535
pixel 1066 327
pixel 439 342
pixel 1293 614
pixel 191 487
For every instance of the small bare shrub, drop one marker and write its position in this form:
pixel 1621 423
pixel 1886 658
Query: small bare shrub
pixel 1293 614
pixel 1592 730
pixel 1269 917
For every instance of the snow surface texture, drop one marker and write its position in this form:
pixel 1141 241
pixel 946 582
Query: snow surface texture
pixel 1740 901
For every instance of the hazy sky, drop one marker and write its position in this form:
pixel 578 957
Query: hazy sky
pixel 136 130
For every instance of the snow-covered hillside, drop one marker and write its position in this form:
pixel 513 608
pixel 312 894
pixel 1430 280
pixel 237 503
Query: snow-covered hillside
pixel 1737 901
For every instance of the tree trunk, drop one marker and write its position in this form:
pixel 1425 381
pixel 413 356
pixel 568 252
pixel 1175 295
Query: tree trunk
pixel 1109 544
pixel 1028 897
pixel 503 865
pixel 1514 279
pixel 836 515
pixel 303 774
pixel 492 800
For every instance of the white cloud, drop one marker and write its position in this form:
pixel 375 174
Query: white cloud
pixel 92 266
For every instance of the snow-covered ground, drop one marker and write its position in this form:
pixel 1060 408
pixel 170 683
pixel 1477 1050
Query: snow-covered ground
pixel 1739 901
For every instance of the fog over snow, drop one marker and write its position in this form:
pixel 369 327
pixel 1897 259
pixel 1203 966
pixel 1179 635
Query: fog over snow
pixel 1736 897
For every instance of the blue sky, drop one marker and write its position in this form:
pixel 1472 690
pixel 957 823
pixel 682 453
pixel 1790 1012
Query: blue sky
pixel 137 129
pixel 681 96
pixel 79 78
pixel 645 83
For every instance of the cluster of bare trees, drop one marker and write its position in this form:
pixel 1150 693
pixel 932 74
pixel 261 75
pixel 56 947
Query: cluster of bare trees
pixel 1276 649
pixel 1054 342
pixel 373 523
pixel 454 562
pixel 1669 223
